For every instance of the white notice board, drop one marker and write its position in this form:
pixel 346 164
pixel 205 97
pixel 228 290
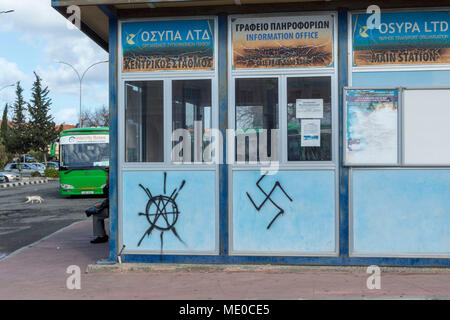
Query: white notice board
pixel 426 127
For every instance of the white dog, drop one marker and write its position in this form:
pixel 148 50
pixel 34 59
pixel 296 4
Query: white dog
pixel 34 198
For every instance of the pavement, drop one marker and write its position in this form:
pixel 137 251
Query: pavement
pixel 40 272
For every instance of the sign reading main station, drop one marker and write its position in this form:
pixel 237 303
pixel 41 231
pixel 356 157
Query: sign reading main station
pixel 403 38
pixel 168 45
pixel 282 42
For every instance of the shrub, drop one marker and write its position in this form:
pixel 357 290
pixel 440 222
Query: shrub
pixel 35 174
pixel 51 172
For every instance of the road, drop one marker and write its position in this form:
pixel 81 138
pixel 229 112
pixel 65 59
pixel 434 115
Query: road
pixel 22 224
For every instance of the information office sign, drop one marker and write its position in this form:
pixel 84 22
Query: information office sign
pixel 282 42
pixel 168 45
pixel 404 38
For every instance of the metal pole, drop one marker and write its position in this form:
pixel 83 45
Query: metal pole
pixel 81 79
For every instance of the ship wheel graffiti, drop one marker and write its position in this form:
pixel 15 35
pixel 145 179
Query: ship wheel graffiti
pixel 277 184
pixel 162 212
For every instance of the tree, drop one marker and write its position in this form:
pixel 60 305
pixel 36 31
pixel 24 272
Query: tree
pixel 3 136
pixel 17 139
pixel 97 118
pixel 42 127
pixel 4 127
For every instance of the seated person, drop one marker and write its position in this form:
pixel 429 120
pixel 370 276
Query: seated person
pixel 99 213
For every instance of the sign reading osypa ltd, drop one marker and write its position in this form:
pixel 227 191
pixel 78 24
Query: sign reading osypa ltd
pixel 168 45
pixel 92 138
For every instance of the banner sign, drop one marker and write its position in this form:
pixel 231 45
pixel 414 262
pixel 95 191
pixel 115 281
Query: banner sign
pixel 168 45
pixel 282 42
pixel 372 126
pixel 406 38
pixel 81 139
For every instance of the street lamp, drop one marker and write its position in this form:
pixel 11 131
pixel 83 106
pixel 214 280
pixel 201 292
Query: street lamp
pixel 80 78
pixel 9 85
pixel 8 11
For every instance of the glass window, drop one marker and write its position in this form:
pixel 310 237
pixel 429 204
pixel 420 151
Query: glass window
pixel 144 121
pixel 256 116
pixel 191 111
pixel 85 155
pixel 318 88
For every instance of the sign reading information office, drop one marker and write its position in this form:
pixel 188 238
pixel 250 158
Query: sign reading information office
pixel 168 45
pixel 282 42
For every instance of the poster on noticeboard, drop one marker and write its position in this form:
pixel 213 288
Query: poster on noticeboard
pixel 403 38
pixel 294 41
pixel 183 45
pixel 371 135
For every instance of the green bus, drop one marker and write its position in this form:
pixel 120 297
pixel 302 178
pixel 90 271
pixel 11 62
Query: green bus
pixel 84 160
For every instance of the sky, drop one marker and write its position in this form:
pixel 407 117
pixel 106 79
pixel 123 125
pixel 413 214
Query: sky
pixel 32 39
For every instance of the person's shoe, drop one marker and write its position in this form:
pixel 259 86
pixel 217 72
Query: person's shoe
pixel 100 239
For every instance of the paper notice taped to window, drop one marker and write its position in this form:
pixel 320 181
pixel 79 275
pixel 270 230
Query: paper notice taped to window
pixel 309 108
pixel 310 132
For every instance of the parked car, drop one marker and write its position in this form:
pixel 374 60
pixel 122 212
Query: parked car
pixel 39 165
pixel 53 164
pixel 8 176
pixel 27 169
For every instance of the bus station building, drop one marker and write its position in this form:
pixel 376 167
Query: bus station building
pixel 276 132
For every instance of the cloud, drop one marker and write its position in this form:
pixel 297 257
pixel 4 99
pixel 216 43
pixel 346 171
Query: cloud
pixel 9 74
pixel 67 116
pixel 44 29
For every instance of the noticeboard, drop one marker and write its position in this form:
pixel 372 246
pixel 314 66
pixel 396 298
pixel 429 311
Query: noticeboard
pixel 371 127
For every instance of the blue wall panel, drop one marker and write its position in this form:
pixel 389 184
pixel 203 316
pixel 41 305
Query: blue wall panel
pixel 196 203
pixel 307 225
pixel 401 212
pixel 401 78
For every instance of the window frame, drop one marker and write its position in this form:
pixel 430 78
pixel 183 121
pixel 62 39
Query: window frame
pixel 283 74
pixel 167 77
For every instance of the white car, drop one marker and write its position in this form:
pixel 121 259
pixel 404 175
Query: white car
pixel 27 169
pixel 9 176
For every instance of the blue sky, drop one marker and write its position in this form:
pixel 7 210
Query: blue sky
pixel 33 38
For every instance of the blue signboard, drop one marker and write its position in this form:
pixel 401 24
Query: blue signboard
pixel 168 45
pixel 402 38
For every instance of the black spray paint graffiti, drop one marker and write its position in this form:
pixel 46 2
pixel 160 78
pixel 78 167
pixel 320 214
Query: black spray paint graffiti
pixel 162 212
pixel 277 184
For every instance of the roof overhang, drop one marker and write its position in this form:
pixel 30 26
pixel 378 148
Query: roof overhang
pixel 95 14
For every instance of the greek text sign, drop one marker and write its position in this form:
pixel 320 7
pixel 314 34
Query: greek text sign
pixel 168 45
pixel 407 38
pixel 282 42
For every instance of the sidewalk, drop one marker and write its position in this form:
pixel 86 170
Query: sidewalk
pixel 39 272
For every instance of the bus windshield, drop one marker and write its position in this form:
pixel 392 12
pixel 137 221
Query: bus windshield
pixel 85 155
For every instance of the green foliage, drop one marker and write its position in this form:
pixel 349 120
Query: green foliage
pixel 35 174
pixel 37 155
pixel 42 126
pixel 17 140
pixel 4 127
pixel 51 173
pixel 5 157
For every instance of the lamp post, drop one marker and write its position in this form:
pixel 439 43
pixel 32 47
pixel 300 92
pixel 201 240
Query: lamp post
pixel 8 11
pixel 9 85
pixel 80 78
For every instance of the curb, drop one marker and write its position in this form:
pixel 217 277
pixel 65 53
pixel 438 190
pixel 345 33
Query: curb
pixel 207 268
pixel 23 183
